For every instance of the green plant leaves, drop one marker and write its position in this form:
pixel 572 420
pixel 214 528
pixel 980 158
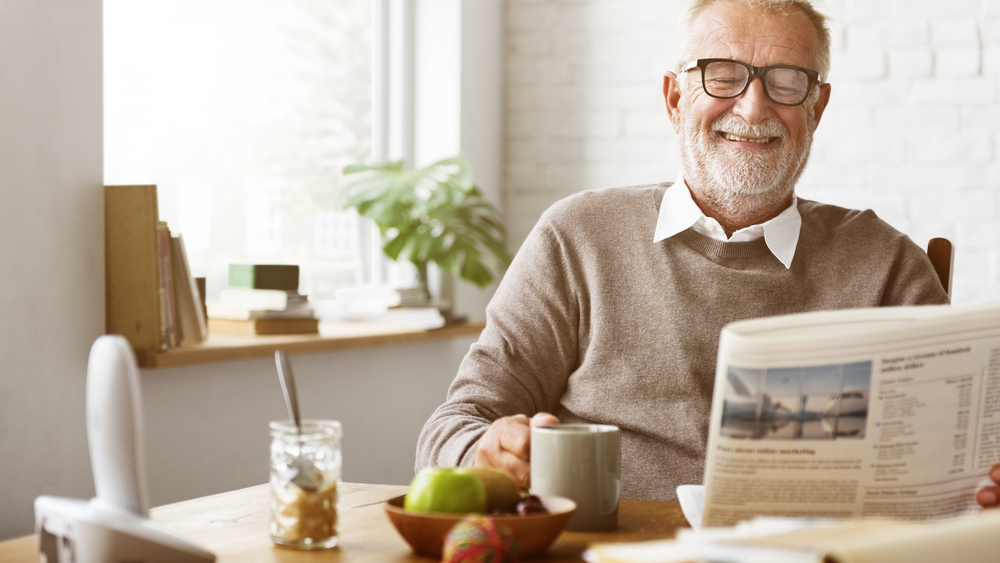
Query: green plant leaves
pixel 435 214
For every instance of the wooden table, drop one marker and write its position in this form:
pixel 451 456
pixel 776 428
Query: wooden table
pixel 234 526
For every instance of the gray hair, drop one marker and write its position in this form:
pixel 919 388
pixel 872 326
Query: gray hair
pixel 777 7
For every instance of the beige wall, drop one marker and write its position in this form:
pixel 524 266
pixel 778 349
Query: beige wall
pixel 52 254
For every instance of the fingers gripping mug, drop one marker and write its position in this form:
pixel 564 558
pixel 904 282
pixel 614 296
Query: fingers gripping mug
pixel 581 462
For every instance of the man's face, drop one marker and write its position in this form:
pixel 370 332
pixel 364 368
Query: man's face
pixel 744 155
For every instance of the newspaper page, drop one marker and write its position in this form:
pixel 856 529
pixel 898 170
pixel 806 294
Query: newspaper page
pixel 891 412
pixel 970 539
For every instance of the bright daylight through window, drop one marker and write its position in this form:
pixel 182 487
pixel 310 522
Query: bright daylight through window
pixel 244 113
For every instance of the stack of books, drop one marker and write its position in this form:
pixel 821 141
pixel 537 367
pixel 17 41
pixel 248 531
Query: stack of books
pixel 262 299
pixel 182 318
pixel 152 298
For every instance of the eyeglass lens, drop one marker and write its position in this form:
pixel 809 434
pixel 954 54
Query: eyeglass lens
pixel 783 85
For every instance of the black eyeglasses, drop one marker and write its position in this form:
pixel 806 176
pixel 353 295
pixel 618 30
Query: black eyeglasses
pixel 726 78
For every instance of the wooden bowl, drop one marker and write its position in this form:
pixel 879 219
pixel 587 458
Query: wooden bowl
pixel 425 531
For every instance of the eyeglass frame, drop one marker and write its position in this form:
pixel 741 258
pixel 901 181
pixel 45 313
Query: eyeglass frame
pixel 760 71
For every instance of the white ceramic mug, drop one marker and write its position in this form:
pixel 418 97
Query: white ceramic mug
pixel 581 462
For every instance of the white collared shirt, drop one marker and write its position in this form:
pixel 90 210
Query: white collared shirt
pixel 678 211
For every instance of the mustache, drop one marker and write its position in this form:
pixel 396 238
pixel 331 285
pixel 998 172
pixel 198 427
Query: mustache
pixel 738 126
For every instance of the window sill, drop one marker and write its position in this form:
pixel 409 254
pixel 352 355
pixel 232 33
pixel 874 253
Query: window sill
pixel 334 336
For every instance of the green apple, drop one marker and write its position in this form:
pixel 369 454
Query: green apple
pixel 446 489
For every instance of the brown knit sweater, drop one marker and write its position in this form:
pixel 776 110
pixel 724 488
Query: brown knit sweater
pixel 594 322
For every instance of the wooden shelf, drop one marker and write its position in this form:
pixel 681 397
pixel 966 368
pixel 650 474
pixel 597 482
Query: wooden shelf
pixel 333 336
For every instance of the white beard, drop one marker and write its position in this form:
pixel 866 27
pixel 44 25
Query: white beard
pixel 750 183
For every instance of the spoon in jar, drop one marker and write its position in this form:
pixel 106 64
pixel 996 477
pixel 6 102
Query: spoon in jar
pixel 306 476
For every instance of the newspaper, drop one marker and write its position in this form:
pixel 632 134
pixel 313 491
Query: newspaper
pixel 890 412
pixel 968 539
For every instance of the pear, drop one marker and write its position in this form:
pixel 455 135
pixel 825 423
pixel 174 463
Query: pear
pixel 502 490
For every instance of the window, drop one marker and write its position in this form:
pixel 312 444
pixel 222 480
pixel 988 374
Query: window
pixel 243 112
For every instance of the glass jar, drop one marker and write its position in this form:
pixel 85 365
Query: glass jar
pixel 305 476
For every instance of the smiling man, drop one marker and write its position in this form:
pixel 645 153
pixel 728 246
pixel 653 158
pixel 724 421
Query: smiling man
pixel 746 108
pixel 612 309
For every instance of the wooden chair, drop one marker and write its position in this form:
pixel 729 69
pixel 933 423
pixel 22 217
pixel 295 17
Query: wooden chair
pixel 939 250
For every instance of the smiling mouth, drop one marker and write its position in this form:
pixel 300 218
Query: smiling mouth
pixel 759 140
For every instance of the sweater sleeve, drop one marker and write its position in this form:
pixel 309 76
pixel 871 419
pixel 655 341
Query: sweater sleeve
pixel 913 280
pixel 523 358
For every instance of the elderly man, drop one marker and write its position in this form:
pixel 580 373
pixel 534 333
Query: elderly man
pixel 612 309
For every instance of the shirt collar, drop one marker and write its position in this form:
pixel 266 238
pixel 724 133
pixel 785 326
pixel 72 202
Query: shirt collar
pixel 679 212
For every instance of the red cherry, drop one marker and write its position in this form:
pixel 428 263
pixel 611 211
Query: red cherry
pixel 531 505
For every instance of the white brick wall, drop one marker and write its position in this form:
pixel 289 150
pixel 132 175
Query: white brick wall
pixel 912 130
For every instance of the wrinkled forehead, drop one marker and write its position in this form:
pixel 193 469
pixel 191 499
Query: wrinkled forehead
pixel 755 36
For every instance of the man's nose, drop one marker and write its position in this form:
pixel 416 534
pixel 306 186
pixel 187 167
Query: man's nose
pixel 753 105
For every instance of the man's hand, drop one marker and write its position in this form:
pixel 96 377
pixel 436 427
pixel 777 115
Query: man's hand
pixel 507 444
pixel 989 497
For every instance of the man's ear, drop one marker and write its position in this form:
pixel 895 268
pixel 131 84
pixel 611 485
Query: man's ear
pixel 824 98
pixel 672 96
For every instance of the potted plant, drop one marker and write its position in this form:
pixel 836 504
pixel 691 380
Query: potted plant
pixel 435 214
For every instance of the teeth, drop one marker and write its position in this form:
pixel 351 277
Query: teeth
pixel 732 137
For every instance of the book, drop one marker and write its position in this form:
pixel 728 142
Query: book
pixel 202 293
pixel 131 266
pixel 262 299
pixel 190 314
pixel 168 317
pixel 244 314
pixel 264 276
pixel 264 326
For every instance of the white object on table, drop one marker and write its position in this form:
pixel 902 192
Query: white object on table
pixel 114 525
